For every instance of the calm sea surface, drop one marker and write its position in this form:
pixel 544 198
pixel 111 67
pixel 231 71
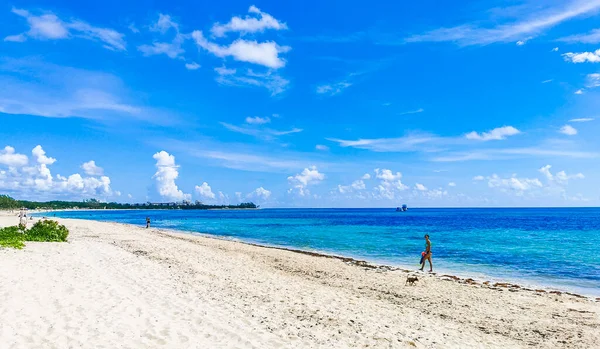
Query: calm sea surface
pixel 556 247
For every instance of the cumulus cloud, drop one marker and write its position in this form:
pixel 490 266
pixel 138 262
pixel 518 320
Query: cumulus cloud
pixel 40 155
pixel 48 26
pixel 36 180
pixel 321 147
pixel 579 92
pixel 390 183
pixel 478 178
pixel 257 21
pixel 251 51
pixel 355 186
pixel 164 23
pixel 499 133
pixel 165 176
pixel 366 176
pixel 513 183
pixel 205 191
pixel 420 187
pixel 90 168
pixel 9 158
pixel 582 57
pixel 257 120
pixel 300 181
pixel 452 184
pixel 259 193
pixel 568 130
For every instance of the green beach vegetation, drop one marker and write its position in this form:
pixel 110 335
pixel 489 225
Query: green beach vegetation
pixel 42 231
pixel 8 203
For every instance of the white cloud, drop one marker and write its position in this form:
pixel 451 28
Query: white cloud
pixel 531 21
pixel 308 176
pixel 251 51
pixel 9 158
pixel 49 27
pixel 547 81
pixel 172 50
pixel 581 120
pixel 579 92
pixel 59 91
pixel 356 185
pixel 452 184
pixel 568 130
pixel 593 37
pixel 40 155
pixel 513 183
pixel 478 178
pixel 166 174
pixel 366 176
pixel 408 143
pixel 593 80
pixel 495 134
pixel 16 38
pixel 205 191
pixel 133 28
pixel 582 57
pixel 521 43
pixel 387 175
pixel 164 23
pixel 224 71
pixel 249 24
pixel 561 177
pixel 554 49
pixel 264 133
pixel 333 89
pixel 36 181
pixel 416 111
pixel 257 120
pixel 259 193
pixel 90 168
pixel 192 66
pixel 390 184
pixel 420 187
pixel 321 147
pixel 269 80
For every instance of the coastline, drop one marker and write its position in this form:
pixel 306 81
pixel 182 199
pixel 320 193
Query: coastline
pixel 119 283
pixel 481 278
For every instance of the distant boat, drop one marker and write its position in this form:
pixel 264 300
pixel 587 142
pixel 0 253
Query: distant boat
pixel 402 209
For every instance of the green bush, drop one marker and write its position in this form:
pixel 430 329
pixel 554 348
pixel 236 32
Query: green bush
pixel 12 237
pixel 47 231
pixel 43 231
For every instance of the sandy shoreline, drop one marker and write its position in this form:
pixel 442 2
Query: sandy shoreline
pixel 115 285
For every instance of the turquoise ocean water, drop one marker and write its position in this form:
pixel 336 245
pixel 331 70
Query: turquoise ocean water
pixel 551 247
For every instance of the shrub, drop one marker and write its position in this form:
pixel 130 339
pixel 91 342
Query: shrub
pixel 12 237
pixel 48 231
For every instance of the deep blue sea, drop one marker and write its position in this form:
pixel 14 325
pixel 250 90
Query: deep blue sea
pixel 551 247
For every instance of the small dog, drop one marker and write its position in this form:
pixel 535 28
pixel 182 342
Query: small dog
pixel 410 280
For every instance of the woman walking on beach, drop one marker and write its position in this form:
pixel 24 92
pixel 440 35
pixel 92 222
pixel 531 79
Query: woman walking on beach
pixel 427 256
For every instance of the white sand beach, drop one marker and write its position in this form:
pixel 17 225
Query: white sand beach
pixel 120 286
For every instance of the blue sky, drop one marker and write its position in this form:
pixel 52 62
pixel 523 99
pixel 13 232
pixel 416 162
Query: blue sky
pixel 307 104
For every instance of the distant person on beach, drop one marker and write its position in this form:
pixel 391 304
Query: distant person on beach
pixel 147 222
pixel 427 256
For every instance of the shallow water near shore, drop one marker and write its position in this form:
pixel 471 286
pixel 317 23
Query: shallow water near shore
pixel 551 247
